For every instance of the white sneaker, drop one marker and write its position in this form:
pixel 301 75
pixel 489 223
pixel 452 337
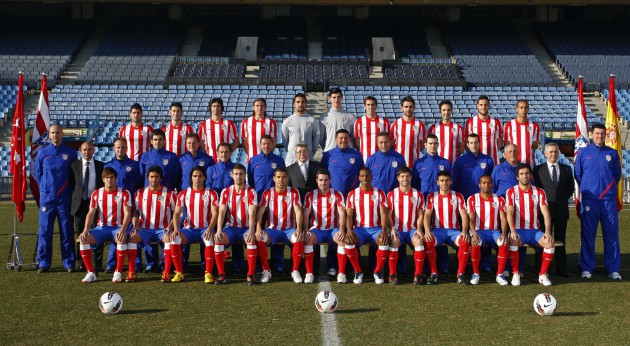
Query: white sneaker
pixel 586 275
pixel 614 276
pixel 89 277
pixel 516 279
pixel 501 280
pixel 297 278
pixel 474 279
pixel 544 279
pixel 117 277
pixel 332 272
pixel 341 278
pixel 378 278
pixel 309 278
pixel 358 278
pixel 265 277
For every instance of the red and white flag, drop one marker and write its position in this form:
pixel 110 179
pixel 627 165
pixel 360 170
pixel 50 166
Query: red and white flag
pixel 40 134
pixel 581 134
pixel 18 161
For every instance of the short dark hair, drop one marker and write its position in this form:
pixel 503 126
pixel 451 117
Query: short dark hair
pixel 444 173
pixel 403 169
pixel 383 134
pixel 341 131
pixel 598 126
pixel 486 176
pixel 280 170
pixel 176 104
pixel 335 90
pixel 216 100
pixel 407 99
pixel 299 95
pixel 522 166
pixel 522 100
pixel 483 97
pixel 158 132
pixel 239 167
pixel 266 137
pixel 193 135
pixel 323 171
pixel 372 98
pixel 135 106
pixel 471 135
pixel 107 171
pixel 433 136
pixel 223 144
pixel 155 169
pixel 445 102
pixel 200 169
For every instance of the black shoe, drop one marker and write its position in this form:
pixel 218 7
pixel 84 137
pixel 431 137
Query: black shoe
pixel 111 270
pixel 419 280
pixel 393 279
pixel 462 280
pixel 251 280
pixel 433 279
pixel 238 273
pixel 81 268
pixel 70 269
pixel 563 274
pixel 42 270
pixel 444 274
pixel 150 269
pixel 220 280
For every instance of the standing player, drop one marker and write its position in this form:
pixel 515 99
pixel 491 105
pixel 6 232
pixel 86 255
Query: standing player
pixel 193 157
pixel 336 119
pixel 158 156
pixel 406 206
pixel 237 214
pixel 256 126
pixel 284 221
pixel 300 127
pixel 384 164
pixel 217 130
pixel 262 166
pixel 488 128
pixel 137 134
pixel 408 132
pixel 445 206
pixel 114 215
pixel 324 216
pixel 201 205
pixel 220 174
pixel 176 130
pixel 343 163
pixel 367 127
pixel 470 167
pixel 450 135
pixel 524 202
pixel 488 226
pixel 523 132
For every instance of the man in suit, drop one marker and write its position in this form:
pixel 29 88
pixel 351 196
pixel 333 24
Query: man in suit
pixel 302 173
pixel 556 180
pixel 85 177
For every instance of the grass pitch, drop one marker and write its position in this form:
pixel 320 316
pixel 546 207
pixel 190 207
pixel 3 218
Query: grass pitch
pixel 55 308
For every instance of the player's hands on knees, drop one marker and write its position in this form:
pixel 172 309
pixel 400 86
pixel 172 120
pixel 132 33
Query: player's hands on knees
pixel 382 239
pixel 475 240
pixel 121 236
pixel 249 237
pixel 308 236
pixel 351 238
pixel 429 237
pixel 208 235
pixel 548 238
pixel 393 234
pixel 514 239
pixel 84 237
pixel 220 238
pixel 261 236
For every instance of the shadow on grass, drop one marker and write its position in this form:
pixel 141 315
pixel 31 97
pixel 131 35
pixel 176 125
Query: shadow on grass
pixel 355 311
pixel 579 313
pixel 141 311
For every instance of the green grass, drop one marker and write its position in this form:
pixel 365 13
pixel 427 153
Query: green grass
pixel 56 308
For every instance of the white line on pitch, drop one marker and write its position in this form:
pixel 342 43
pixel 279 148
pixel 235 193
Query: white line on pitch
pixel 330 333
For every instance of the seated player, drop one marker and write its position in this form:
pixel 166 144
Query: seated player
pixel 237 212
pixel 524 201
pixel 444 206
pixel 324 215
pixel 488 226
pixel 114 207
pixel 406 206
pixel 200 204
pixel 154 207
pixel 368 205
pixel 284 221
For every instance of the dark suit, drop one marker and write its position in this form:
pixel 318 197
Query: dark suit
pixel 297 181
pixel 558 200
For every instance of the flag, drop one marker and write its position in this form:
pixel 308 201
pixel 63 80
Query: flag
pixel 581 134
pixel 18 161
pixel 613 136
pixel 40 134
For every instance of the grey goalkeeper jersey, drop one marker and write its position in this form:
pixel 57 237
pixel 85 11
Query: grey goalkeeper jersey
pixel 296 129
pixel 334 121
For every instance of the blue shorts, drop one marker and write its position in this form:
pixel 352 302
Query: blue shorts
pixel 367 235
pixel 530 236
pixel 278 236
pixel 324 235
pixel 405 237
pixel 104 233
pixel 446 236
pixel 149 235
pixel 235 234
pixel 489 237
pixel 193 235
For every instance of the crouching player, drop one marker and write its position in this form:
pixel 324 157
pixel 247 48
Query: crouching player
pixel 237 212
pixel 324 215
pixel 444 206
pixel 488 225
pixel 201 205
pixel 284 222
pixel 114 207
pixel 154 207
pixel 368 205
pixel 523 203
pixel 406 206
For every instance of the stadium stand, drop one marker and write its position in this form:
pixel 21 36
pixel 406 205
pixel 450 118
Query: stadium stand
pixel 623 102
pixel 8 95
pixel 313 72
pixel 207 68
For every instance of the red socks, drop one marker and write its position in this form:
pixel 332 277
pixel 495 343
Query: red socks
pixel 86 255
pixel 513 253
pixel 475 258
pixel 132 253
pixel 393 261
pixel 168 258
pixel 547 256
pixel 121 254
pixel 252 253
pixel 297 254
pixel 418 259
pixel 176 255
pixel 502 259
pixel 219 256
pixel 208 254
pixel 382 253
pixel 342 259
pixel 353 257
pixel 462 257
pixel 309 255
pixel 262 254
pixel 431 256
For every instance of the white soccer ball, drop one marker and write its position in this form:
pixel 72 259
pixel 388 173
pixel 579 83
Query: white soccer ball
pixel 545 304
pixel 110 303
pixel 326 301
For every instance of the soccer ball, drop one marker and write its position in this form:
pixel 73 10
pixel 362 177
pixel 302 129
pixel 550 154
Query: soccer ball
pixel 110 303
pixel 326 301
pixel 545 304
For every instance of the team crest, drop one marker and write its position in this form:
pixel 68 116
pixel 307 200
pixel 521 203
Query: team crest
pixel 201 163
pixel 330 199
pixel 373 198
pixel 286 199
pixel 495 204
pixel 165 162
pixel 452 201
pixel 182 132
pixel 608 158
pixel 394 164
pixel 128 168
pixel 352 160
pixel 224 126
pixel 265 125
pixel 414 199
pixel 204 197
pixel 117 198
pixel 309 123
pixel 482 165
pixel 44 209
pixel 65 156
pixel 453 130
pixel 160 198
pixel 415 128
pixel 441 167
pixel 529 128
pixel 491 124
pixel 534 198
pixel 273 165
pixel 587 208
pixel 230 174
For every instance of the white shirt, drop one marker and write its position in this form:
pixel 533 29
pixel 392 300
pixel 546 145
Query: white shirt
pixel 303 168
pixel 92 177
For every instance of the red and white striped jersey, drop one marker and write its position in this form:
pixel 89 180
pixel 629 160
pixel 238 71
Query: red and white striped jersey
pixel 487 211
pixel 280 207
pixel 408 137
pixel 367 130
pixel 176 137
pixel 449 136
pixel 110 206
pixel 526 204
pixel 213 133
pixel 238 203
pixel 446 209
pixel 138 139
pixel 523 135
pixel 198 204
pixel 367 206
pixel 324 208
pixel 252 130
pixel 155 208
pixel 489 131
pixel 405 208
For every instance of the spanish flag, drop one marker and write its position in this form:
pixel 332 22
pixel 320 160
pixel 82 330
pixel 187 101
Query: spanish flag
pixel 613 136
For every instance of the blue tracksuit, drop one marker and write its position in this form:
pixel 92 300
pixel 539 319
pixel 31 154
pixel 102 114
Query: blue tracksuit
pixel 187 162
pixel 260 171
pixel 220 176
pixel 129 176
pixel 344 166
pixel 467 170
pixel 384 167
pixel 52 173
pixel 169 162
pixel 504 178
pixel 425 170
pixel 597 172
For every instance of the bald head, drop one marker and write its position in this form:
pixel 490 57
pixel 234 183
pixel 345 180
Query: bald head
pixel 87 151
pixel 55 133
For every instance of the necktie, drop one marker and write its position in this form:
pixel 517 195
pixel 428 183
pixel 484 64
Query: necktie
pixel 304 170
pixel 86 181
pixel 554 175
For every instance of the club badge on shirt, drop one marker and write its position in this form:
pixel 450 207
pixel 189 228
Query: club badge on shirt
pixel 441 167
pixel 608 157
pixel 160 198
pixel 273 165
pixel 352 160
pixel 309 123
pixel 65 156
pixel 128 168
pixel 482 165
pixel 165 162
pixel 182 132
pixel 201 163
pixel 395 164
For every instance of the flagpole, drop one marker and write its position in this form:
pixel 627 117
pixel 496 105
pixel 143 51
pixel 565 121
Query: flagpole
pixel 15 256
